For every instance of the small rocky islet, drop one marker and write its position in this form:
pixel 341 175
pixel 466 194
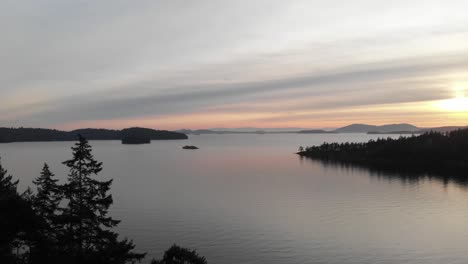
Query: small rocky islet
pixel 189 147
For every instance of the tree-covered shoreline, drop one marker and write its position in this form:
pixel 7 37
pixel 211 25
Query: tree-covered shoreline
pixel 9 135
pixel 429 152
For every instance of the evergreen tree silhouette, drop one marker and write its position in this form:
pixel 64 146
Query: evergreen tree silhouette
pixel 7 194
pixel 46 206
pixel 180 255
pixel 7 185
pixel 49 195
pixel 87 224
pixel 17 221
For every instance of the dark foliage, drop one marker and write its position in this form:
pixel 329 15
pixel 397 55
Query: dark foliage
pixel 7 185
pixel 10 207
pixel 68 223
pixel 151 133
pixel 431 152
pixel 86 217
pixel 62 223
pixel 135 140
pixel 179 255
pixel 18 223
pixel 97 134
pixel 38 134
pixel 49 195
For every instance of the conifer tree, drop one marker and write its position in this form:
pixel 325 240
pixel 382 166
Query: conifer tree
pixel 7 185
pixel 7 192
pixel 49 195
pixel 180 255
pixel 17 221
pixel 87 224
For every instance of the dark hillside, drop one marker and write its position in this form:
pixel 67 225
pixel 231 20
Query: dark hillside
pixel 8 135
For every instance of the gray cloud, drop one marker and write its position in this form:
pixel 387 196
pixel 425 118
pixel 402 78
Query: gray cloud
pixel 343 85
pixel 68 61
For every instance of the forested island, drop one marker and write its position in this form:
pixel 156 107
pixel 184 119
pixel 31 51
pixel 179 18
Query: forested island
pixel 8 135
pixel 135 140
pixel 429 152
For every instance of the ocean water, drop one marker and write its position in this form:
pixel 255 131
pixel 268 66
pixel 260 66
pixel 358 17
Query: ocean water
pixel 250 199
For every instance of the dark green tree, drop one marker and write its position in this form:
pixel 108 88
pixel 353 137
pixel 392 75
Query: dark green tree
pixel 8 194
pixel 46 204
pixel 17 222
pixel 49 195
pixel 7 185
pixel 87 224
pixel 179 255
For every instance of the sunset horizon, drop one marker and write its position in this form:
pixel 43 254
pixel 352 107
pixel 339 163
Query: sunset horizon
pixel 233 131
pixel 208 64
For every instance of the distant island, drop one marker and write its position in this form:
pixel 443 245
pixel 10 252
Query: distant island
pixel 258 131
pixel 190 147
pixel 429 152
pixel 221 132
pixel 353 128
pixel 395 133
pixel 21 134
pixel 8 135
pixel 364 128
pixel 316 131
pixel 395 129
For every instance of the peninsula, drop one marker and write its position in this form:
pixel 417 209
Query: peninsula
pixel 429 152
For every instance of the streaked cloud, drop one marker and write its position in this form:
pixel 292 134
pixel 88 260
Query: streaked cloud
pixel 268 63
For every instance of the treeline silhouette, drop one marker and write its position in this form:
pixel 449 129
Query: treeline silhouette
pixel 430 152
pixel 21 134
pixel 68 223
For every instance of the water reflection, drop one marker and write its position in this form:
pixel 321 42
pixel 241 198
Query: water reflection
pixel 250 199
pixel 404 176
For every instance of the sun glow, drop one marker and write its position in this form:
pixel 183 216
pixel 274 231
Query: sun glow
pixel 457 104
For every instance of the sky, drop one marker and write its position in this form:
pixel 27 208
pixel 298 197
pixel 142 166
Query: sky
pixel 249 63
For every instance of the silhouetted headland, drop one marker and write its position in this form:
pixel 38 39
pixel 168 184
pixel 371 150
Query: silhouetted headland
pixel 8 135
pixel 430 152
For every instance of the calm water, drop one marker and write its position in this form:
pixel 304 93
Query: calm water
pixel 249 199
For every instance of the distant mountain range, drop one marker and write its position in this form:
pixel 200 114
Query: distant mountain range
pixel 40 134
pixel 8 135
pixel 256 129
pixel 363 128
pixel 317 131
pixel 235 131
pixel 241 130
pixel 354 128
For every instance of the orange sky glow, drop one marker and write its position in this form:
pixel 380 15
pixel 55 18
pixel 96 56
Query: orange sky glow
pixel 213 64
